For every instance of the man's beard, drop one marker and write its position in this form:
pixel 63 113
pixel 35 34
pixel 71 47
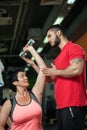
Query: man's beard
pixel 57 41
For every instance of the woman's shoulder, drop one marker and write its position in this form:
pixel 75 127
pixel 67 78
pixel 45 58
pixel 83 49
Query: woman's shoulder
pixel 7 103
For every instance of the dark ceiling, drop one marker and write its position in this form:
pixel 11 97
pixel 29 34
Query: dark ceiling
pixel 21 20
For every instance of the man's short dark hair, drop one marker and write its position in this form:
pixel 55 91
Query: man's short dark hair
pixel 56 28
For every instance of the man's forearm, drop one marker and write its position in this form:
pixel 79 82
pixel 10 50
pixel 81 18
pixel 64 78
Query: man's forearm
pixel 68 72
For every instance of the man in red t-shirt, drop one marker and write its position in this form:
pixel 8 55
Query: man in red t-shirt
pixel 69 74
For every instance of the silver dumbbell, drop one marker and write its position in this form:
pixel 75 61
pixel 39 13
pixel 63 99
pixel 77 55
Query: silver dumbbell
pixel 23 53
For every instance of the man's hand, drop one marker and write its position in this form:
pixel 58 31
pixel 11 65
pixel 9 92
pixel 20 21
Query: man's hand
pixel 50 71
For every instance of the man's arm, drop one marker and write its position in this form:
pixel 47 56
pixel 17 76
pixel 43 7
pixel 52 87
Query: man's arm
pixel 75 68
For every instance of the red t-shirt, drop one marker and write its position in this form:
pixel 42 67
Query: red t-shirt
pixel 70 91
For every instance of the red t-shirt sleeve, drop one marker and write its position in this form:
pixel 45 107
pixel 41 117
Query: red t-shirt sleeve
pixel 76 51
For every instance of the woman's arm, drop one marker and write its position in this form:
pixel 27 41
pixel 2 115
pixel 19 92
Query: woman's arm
pixel 4 114
pixel 32 64
pixel 37 57
pixel 9 122
pixel 39 86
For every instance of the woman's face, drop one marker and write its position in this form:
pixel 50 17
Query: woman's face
pixel 22 79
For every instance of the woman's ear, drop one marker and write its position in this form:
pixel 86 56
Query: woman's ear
pixel 15 83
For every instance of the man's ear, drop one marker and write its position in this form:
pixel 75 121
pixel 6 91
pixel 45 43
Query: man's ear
pixel 15 83
pixel 59 33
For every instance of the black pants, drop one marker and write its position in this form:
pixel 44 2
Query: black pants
pixel 71 118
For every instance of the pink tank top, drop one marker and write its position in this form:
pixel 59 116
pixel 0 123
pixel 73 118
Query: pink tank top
pixel 27 117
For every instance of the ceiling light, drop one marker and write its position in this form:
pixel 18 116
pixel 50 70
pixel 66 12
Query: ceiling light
pixel 26 69
pixel 58 20
pixel 39 50
pixel 32 58
pixel 70 1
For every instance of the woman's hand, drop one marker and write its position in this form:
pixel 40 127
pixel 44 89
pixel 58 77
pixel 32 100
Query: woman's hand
pixel 27 47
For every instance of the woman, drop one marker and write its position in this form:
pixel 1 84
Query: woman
pixel 8 123
pixel 27 113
